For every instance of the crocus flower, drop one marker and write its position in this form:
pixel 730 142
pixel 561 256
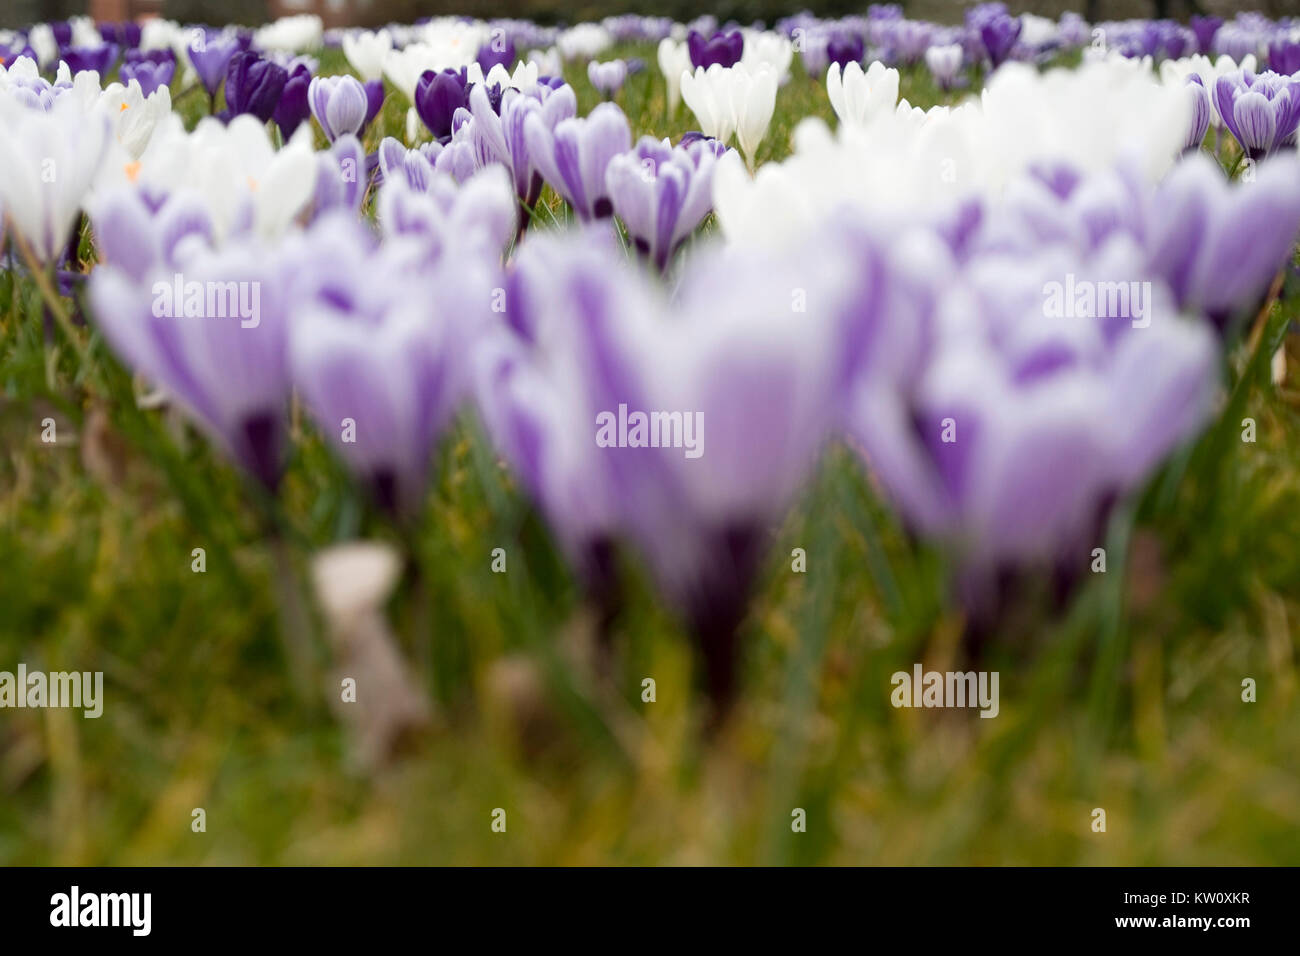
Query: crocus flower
pixel 501 137
pixel 858 97
pixel 253 86
pixel 944 61
pixel 1219 246
pixel 438 95
pixel 722 49
pixel 497 52
pixel 999 35
pixel 339 104
pixel 1200 124
pixel 293 108
pixel 845 48
pixel 1019 430
pixel 448 216
pixel 91 58
pixel 341 176
pixel 729 100
pixel 1284 55
pixel 607 78
pixel 210 53
pixel 1205 28
pixel 1261 111
pixel 366 50
pixel 218 352
pixel 661 194
pixel 149 73
pixel 48 163
pixel 674 60
pixel 574 155
pixel 375 350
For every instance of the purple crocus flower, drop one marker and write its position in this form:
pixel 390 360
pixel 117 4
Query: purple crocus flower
pixel 945 62
pixel 661 194
pixel 1019 429
pixel 585 342
pixel 376 352
pixel 149 73
pixel 293 108
pixel 815 54
pixel 497 53
pixel 211 54
pixel 374 100
pixel 999 35
pixel 1219 246
pixel 845 48
pixel 1261 111
pixel 166 307
pixel 1284 55
pixel 724 49
pixel 341 176
pixel 1205 28
pixel 607 78
pixel 438 95
pixel 82 59
pixel 574 155
pixel 339 104
pixel 1200 125
pixel 254 86
pixel 500 137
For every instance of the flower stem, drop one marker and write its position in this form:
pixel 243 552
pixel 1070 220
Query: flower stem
pixel 49 294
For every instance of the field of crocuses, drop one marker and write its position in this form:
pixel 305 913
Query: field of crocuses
pixel 490 442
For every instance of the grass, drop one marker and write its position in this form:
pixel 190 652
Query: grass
pixel 1129 701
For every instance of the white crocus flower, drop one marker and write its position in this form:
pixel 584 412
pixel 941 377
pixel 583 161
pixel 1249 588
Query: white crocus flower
pixel 732 100
pixel 753 100
pixel 707 94
pixel 246 182
pixel 48 163
pixel 859 97
pixel 133 115
pixel 674 60
pixel 764 48
pixel 365 50
pixel 293 34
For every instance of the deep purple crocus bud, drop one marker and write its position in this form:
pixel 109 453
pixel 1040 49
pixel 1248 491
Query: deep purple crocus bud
pixel 339 104
pixel 999 36
pixel 725 49
pixel 374 100
pixel 1284 56
pixel 845 48
pixel 254 85
pixel 497 52
pixel 83 58
pixel 437 97
pixel 211 53
pixel 1205 28
pixel 293 109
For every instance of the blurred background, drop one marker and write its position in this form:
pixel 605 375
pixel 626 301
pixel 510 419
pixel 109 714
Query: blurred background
pixel 371 12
